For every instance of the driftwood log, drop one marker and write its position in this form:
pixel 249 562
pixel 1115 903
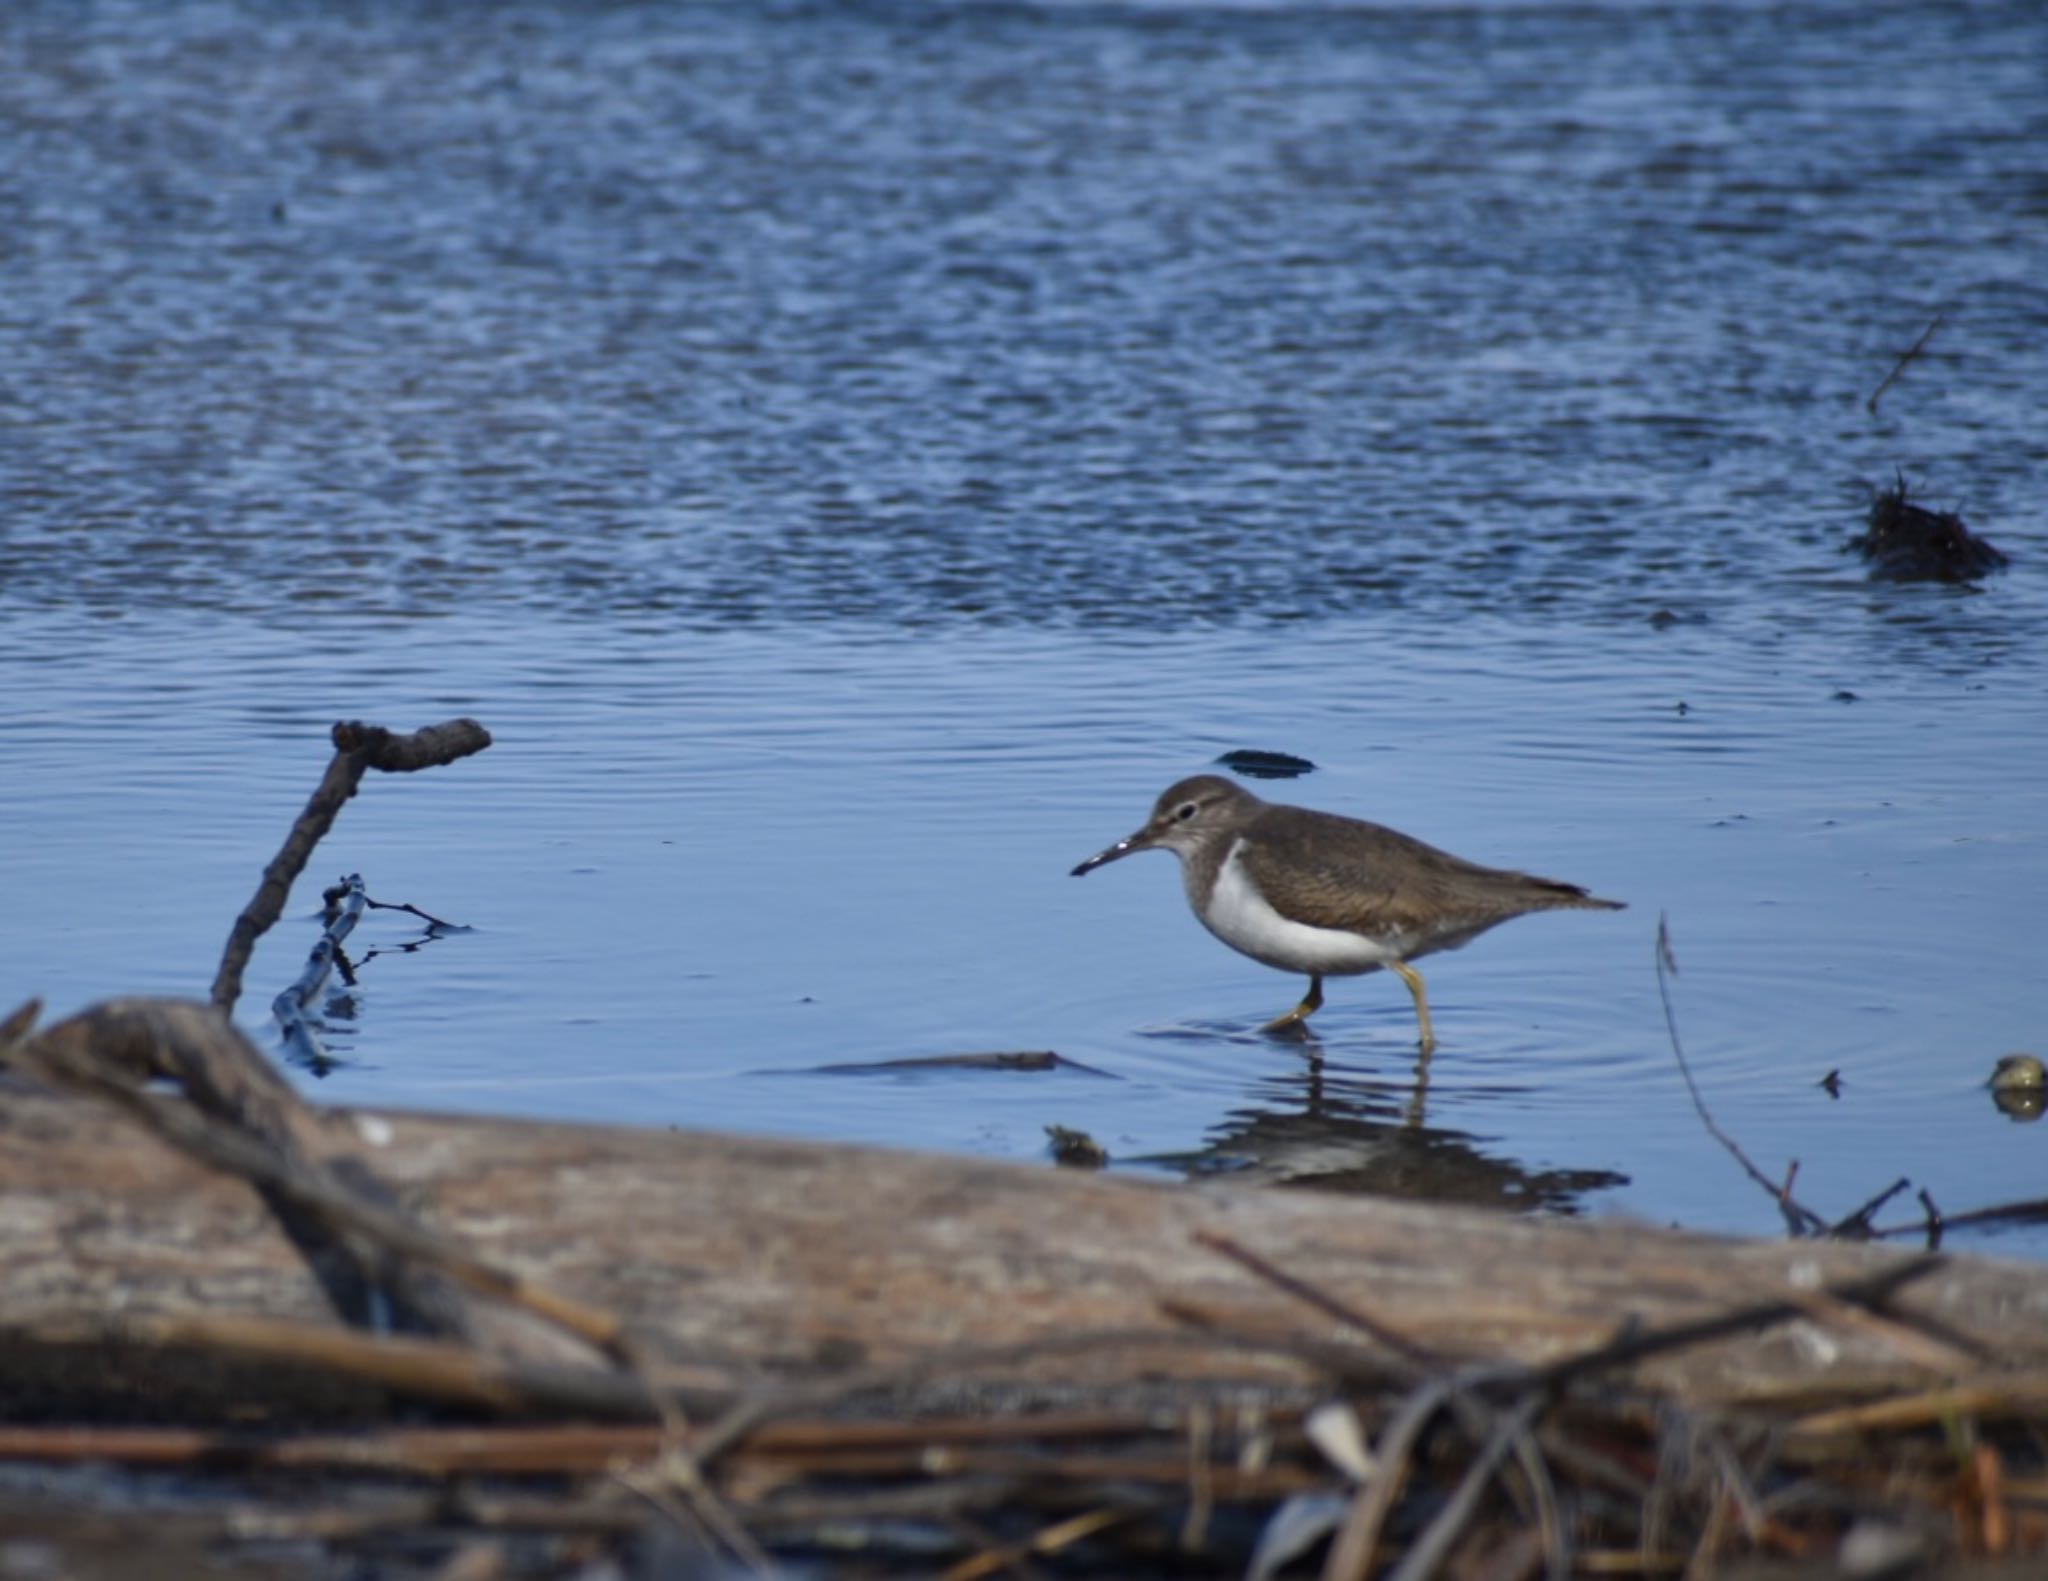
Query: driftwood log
pixel 752 1258
pixel 764 1341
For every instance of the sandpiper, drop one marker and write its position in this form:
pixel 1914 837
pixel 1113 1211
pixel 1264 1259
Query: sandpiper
pixel 1331 896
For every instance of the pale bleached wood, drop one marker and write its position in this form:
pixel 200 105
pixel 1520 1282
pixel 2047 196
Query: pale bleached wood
pixel 777 1259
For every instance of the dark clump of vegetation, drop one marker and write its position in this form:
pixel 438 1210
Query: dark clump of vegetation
pixel 1909 543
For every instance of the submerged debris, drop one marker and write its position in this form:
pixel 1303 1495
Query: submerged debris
pixel 1909 543
pixel 1259 765
pixel 1023 1060
pixel 1075 1149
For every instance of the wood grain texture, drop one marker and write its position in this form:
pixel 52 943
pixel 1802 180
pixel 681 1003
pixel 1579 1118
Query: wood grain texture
pixel 773 1259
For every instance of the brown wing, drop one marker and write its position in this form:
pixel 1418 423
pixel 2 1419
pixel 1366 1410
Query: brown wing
pixel 1378 880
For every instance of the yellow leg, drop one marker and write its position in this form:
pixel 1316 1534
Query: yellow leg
pixel 1311 1002
pixel 1413 979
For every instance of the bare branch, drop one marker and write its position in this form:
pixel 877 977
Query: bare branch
pixel 357 747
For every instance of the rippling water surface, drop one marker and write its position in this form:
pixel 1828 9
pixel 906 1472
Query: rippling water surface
pixel 852 457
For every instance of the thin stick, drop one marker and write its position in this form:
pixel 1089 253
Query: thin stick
pixel 1430 1549
pixel 1345 1363
pixel 2026 1212
pixel 1899 367
pixel 1543 1490
pixel 681 1472
pixel 1632 1348
pixel 1194 1528
pixel 1475 1417
pixel 454 1375
pixel 1799 1220
pixel 1934 1219
pixel 1358 1540
pixel 1737 1484
pixel 1857 1225
pixel 1995 1396
pixel 1320 1299
pixel 427 917
pixel 1063 1534
pixel 988 1553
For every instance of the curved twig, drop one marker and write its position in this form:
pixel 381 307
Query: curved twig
pixel 1799 1220
pixel 357 747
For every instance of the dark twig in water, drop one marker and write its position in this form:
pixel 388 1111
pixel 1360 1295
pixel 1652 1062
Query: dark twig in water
pixel 2030 1210
pixel 1934 1221
pixel 1856 1226
pixel 1899 367
pixel 1015 1060
pixel 1799 1220
pixel 341 908
pixel 357 748
pixel 428 918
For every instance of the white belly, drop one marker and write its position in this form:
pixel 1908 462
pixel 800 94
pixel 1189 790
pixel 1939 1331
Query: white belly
pixel 1241 919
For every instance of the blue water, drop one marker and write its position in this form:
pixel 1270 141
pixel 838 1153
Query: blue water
pixel 852 457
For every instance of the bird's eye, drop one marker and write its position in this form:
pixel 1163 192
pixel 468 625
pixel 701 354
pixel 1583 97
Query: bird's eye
pixel 1184 811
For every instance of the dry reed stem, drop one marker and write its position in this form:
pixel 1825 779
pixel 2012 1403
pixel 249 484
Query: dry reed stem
pixel 1905 359
pixel 1998 1397
pixel 1049 1540
pixel 1625 1562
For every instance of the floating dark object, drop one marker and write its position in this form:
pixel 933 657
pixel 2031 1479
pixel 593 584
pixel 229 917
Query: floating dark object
pixel 1909 543
pixel 1028 1060
pixel 1075 1149
pixel 1266 765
